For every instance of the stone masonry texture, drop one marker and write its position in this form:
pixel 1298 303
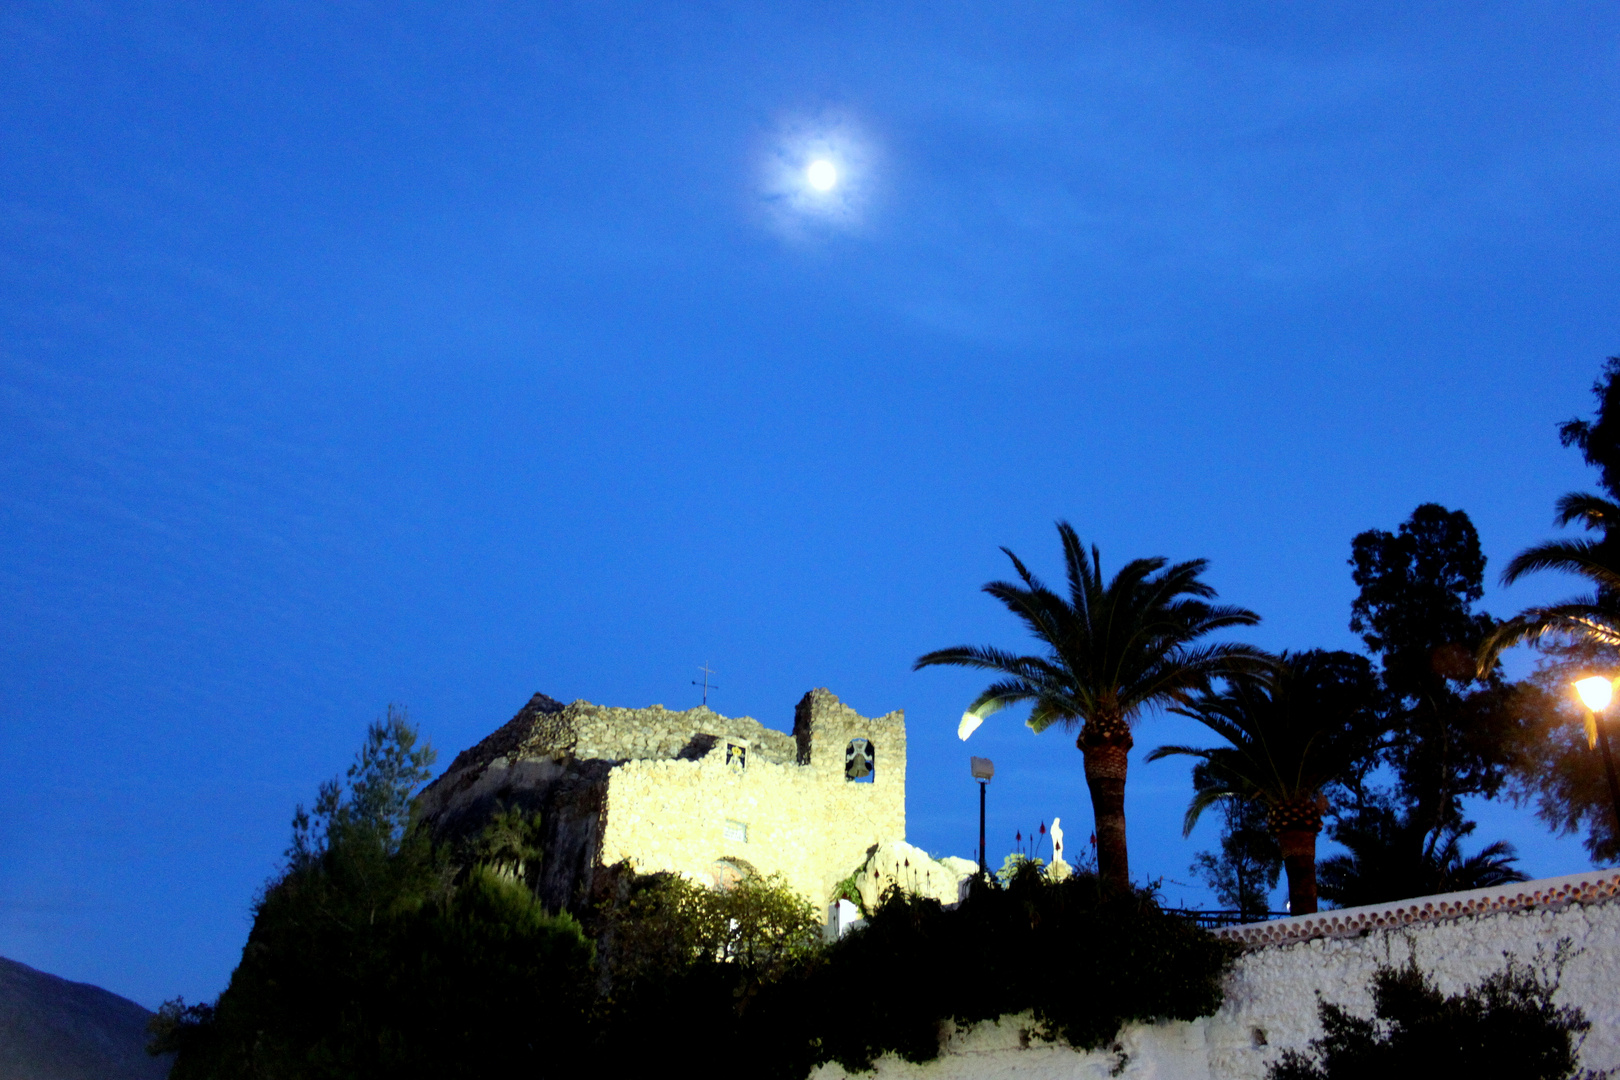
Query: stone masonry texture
pixel 695 793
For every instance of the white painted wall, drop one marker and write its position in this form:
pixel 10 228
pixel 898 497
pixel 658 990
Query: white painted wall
pixel 1273 990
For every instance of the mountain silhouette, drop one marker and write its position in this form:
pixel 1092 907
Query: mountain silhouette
pixel 53 1029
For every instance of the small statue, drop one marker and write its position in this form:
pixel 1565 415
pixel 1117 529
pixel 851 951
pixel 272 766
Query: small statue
pixel 1059 869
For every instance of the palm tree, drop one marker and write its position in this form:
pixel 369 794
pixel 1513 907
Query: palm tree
pixel 1290 732
pixel 1594 618
pixel 1389 856
pixel 1112 649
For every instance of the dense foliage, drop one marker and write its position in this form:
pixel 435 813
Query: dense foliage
pixel 1507 1027
pixel 1456 733
pixel 370 956
pixel 1599 437
pixel 1451 730
pixel 1388 856
pixel 1083 959
pixel 673 953
pixel 1414 732
pixel 1560 774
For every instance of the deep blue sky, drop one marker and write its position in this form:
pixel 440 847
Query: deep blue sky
pixel 357 353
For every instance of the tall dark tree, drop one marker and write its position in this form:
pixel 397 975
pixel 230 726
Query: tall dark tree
pixel 1291 732
pixel 1451 733
pixel 1453 730
pixel 1111 650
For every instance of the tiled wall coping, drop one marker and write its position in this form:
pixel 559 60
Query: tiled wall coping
pixel 1591 887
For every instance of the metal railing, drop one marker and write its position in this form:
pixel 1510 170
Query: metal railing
pixel 1211 920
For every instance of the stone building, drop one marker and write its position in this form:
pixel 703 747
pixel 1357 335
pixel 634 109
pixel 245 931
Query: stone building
pixel 700 794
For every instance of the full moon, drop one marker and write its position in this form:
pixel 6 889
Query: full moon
pixel 822 175
pixel 816 177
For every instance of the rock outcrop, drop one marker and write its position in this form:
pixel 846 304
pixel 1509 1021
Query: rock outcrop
pixel 897 863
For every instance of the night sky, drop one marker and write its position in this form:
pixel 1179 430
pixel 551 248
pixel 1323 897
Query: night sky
pixel 390 352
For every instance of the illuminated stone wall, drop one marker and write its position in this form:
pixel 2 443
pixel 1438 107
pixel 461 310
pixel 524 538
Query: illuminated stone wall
pixel 800 817
pixel 667 791
pixel 1460 938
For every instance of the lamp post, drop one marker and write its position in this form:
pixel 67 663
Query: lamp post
pixel 983 770
pixel 1597 692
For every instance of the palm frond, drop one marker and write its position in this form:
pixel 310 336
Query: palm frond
pixel 1594 618
pixel 999 695
pixel 984 657
pixel 1185 671
pixel 1049 711
pixel 1592 559
pixel 1592 511
pixel 1083 576
pixel 1176 749
pixel 1202 800
pixel 1022 571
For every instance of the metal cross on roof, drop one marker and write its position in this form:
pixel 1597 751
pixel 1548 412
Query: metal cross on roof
pixel 706 684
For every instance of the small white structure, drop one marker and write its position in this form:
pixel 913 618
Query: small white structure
pixel 842 917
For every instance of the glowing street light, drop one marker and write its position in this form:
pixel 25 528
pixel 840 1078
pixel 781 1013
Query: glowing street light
pixel 983 769
pixel 1596 692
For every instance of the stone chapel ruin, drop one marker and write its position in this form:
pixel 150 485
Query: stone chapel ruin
pixel 710 797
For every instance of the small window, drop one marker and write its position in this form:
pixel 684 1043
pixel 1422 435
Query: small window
pixel 736 832
pixel 736 755
pixel 860 761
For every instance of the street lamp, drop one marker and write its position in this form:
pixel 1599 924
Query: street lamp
pixel 983 770
pixel 1597 692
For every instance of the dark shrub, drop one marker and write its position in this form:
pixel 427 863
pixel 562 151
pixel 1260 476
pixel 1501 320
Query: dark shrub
pixel 1085 962
pixel 1506 1028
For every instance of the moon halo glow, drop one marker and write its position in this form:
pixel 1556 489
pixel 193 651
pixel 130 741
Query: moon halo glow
pixel 822 174
pixel 816 176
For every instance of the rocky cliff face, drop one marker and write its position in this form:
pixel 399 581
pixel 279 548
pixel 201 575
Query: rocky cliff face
pixel 911 869
pixel 52 1029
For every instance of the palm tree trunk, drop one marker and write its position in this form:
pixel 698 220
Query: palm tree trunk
pixel 1106 744
pixel 1295 823
pixel 1299 859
